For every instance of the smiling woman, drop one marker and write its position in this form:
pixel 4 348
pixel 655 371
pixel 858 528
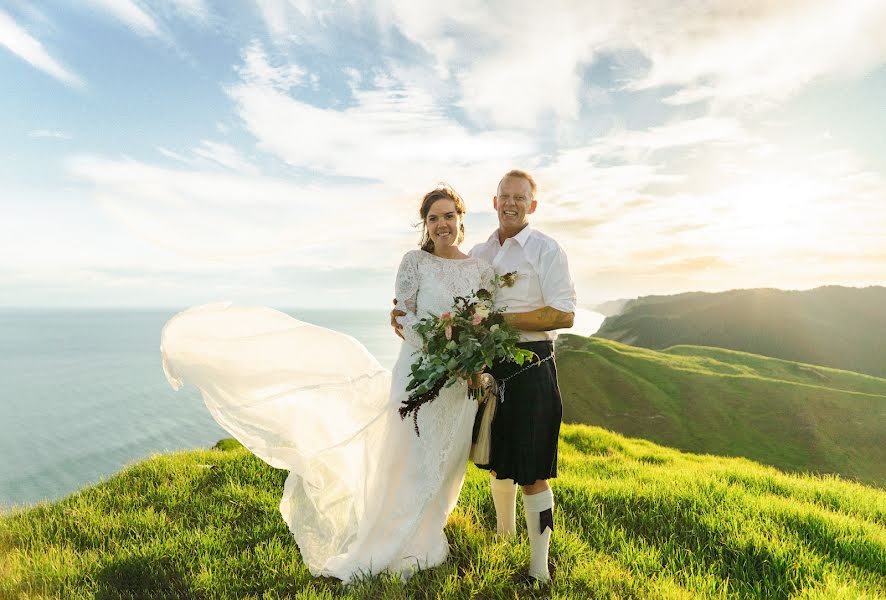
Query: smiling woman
pixel 442 213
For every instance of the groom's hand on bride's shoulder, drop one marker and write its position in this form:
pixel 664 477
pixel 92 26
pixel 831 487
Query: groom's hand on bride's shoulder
pixel 394 314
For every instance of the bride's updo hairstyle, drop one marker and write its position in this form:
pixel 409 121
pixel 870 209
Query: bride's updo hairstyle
pixel 441 192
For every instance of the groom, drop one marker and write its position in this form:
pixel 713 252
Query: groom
pixel 527 424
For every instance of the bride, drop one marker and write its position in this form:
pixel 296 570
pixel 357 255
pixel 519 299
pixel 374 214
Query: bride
pixel 364 493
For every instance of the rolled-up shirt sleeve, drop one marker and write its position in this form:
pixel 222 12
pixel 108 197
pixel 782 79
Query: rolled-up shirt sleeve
pixel 557 286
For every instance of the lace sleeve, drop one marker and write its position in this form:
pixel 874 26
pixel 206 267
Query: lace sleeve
pixel 406 292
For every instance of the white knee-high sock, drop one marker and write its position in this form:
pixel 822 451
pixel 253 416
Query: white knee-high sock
pixel 504 496
pixel 539 509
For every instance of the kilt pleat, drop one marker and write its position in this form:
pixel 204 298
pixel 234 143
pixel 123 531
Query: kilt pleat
pixel 526 428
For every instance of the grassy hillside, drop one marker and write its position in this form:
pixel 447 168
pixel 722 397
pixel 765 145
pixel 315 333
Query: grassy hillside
pixel 839 327
pixel 634 520
pixel 794 416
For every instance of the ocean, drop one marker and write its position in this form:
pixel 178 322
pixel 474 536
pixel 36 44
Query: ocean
pixel 83 393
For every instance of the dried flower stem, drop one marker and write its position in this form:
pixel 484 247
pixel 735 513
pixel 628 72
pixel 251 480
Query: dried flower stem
pixel 413 403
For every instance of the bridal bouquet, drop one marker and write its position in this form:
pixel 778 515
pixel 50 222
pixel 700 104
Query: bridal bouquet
pixel 460 344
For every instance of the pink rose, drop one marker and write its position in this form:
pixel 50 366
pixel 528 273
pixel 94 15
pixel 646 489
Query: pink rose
pixel 449 332
pixel 446 316
pixel 477 319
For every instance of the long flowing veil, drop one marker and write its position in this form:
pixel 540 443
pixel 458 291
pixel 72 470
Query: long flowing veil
pixel 301 398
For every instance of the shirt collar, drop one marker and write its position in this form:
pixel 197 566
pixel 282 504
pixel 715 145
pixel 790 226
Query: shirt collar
pixel 520 238
pixel 524 234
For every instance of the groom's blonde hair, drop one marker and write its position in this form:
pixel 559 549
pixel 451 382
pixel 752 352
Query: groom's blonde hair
pixel 518 173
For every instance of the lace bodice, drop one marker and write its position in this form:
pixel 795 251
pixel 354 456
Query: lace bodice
pixel 426 285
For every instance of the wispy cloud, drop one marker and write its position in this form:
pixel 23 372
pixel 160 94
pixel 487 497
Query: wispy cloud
pixel 130 14
pixel 226 156
pixel 645 123
pixel 515 64
pixel 229 216
pixel 195 10
pixel 257 69
pixel 210 155
pixel 759 49
pixel 615 193
pixel 175 155
pixel 22 44
pixel 391 132
pixel 293 20
pixel 685 132
pixel 47 133
pixel 154 19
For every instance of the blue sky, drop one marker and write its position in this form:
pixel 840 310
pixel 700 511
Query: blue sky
pixel 176 152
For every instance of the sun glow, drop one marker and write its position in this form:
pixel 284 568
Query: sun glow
pixel 777 215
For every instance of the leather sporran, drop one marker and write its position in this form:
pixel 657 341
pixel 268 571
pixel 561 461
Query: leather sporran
pixel 481 437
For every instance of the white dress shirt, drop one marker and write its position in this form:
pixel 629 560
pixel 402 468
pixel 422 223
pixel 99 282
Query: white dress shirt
pixel 543 277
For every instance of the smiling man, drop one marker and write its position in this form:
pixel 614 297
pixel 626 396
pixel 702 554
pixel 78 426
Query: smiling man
pixel 527 423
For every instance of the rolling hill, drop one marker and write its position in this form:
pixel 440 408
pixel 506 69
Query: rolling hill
pixel 839 327
pixel 794 416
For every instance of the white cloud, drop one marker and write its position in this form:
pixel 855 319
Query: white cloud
pixel 175 155
pixel 767 224
pixel 686 133
pixel 623 193
pixel 130 14
pixel 23 45
pixel 276 14
pixel 516 63
pixel 152 19
pixel 508 73
pixel 758 49
pixel 47 133
pixel 233 217
pixel 292 20
pixel 392 132
pixel 621 168
pixel 196 10
pixel 706 197
pixel 226 156
pixel 209 155
pixel 257 70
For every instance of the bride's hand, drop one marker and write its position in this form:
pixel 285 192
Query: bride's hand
pixel 395 313
pixel 475 381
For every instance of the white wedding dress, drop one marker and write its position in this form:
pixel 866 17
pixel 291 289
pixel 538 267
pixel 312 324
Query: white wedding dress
pixel 364 494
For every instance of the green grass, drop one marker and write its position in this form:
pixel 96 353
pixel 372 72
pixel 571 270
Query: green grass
pixel 797 417
pixel 633 520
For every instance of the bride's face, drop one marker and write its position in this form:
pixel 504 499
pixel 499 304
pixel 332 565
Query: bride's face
pixel 443 223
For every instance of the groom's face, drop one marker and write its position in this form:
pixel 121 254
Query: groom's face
pixel 514 203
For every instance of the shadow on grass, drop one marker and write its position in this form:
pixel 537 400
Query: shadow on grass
pixel 139 576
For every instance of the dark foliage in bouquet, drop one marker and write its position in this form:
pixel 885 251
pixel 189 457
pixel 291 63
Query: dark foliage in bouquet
pixel 459 344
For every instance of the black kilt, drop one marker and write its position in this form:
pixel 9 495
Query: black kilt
pixel 527 424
